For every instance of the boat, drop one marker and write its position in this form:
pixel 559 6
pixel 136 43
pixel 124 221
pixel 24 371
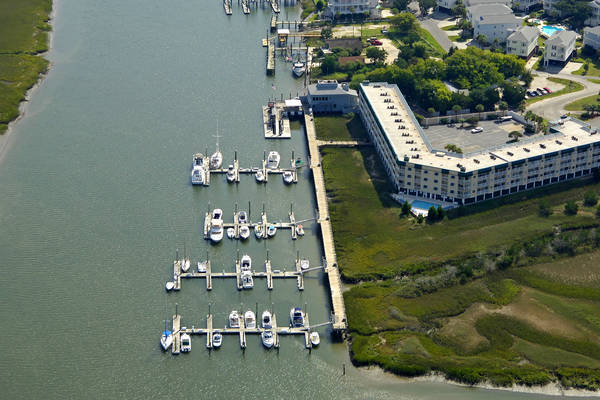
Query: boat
pixel 267 339
pixel 234 319
pixel 186 343
pixel 216 229
pixel 259 176
pixel 198 160
pixel 246 263
pixel 314 338
pixel 297 317
pixel 201 266
pixel 198 173
pixel 217 213
pixel 250 320
pixel 247 280
pixel 185 265
pixel 298 162
pixel 258 231
pixel 230 173
pixel 230 233
pixel 267 319
pixel 166 339
pixel 300 230
pixel 244 232
pixel 271 230
pixel 242 217
pixel 299 68
pixel 217 339
pixel 216 160
pixel 169 286
pixel 288 177
pixel 273 160
pixel 304 264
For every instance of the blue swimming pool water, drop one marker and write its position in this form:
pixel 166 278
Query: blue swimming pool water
pixel 422 205
pixel 550 30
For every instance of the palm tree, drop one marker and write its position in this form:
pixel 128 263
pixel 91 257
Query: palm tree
pixel 479 108
pixel 456 108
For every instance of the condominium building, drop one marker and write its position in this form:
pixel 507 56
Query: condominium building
pixel 416 169
pixel 523 41
pixel 480 10
pixel 495 26
pixel 345 7
pixel 594 18
pixel 525 5
pixel 559 47
pixel 591 37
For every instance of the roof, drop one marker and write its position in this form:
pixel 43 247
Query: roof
pixel 471 3
pixel 595 30
pixel 293 103
pixel 561 38
pixel 498 19
pixel 330 88
pixel 489 9
pixel 525 34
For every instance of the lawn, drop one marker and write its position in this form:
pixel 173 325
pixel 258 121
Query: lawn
pixel 578 104
pixel 340 127
pixel 570 87
pixel 594 66
pixel 450 28
pixel 308 6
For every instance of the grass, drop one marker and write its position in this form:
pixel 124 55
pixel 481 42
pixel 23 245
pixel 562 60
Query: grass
pixel 578 104
pixel 450 28
pixel 340 127
pixel 23 35
pixel 594 80
pixel 437 49
pixel 594 66
pixel 308 6
pixel 454 38
pixel 570 87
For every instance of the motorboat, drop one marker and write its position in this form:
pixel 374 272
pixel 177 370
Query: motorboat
pixel 242 217
pixel 250 320
pixel 244 232
pixel 217 339
pixel 273 160
pixel 198 160
pixel 185 265
pixel 297 317
pixel 216 230
pixel 298 162
pixel 201 266
pixel 169 286
pixel 299 230
pixel 314 338
pixel 259 176
pixel 246 263
pixel 304 264
pixel 267 339
pixel 288 177
pixel 234 319
pixel 216 160
pixel 217 213
pixel 258 231
pixel 299 68
pixel 230 174
pixel 198 173
pixel 267 320
pixel 271 230
pixel 166 339
pixel 247 280
pixel 230 233
pixel 186 343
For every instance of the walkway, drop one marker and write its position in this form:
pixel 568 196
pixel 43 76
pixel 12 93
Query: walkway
pixel 341 143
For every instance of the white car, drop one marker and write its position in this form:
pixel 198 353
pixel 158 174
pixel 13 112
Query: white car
pixel 477 130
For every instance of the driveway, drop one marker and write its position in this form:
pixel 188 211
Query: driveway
pixel 431 25
pixel 391 50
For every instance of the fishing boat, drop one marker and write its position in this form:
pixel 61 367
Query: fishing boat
pixel 299 68
pixel 297 317
pixel 250 320
pixel 234 319
pixel 217 339
pixel 258 231
pixel 198 173
pixel 273 160
pixel 244 232
pixel 304 264
pixel 271 230
pixel 247 280
pixel 201 266
pixel 242 217
pixel 314 338
pixel 230 174
pixel 267 319
pixel 288 177
pixel 300 230
pixel 246 263
pixel 267 339
pixel 186 343
pixel 259 176
pixel 216 229
pixel 230 233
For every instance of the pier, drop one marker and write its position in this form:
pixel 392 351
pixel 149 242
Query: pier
pixel 275 121
pixel 270 57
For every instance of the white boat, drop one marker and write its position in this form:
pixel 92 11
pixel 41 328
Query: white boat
pixel 185 265
pixel 297 317
pixel 198 173
pixel 304 264
pixel 216 229
pixel 259 176
pixel 186 343
pixel 216 160
pixel 244 232
pixel 267 320
pixel 250 320
pixel 246 263
pixel 299 68
pixel 234 319
pixel 169 286
pixel 273 160
pixel 271 230
pixel 166 339
pixel 247 280
pixel 242 217
pixel 230 174
pixel 230 233
pixel 198 160
pixel 258 231
pixel 217 339
pixel 217 213
pixel 314 338
pixel 201 266
pixel 288 177
pixel 267 339
pixel 300 230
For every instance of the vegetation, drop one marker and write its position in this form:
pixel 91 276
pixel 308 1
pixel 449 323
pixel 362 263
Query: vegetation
pixel 570 87
pixel 23 36
pixel 308 7
pixel 579 105
pixel 340 127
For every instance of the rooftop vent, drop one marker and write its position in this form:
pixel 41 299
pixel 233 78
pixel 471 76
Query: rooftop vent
pixel 574 138
pixel 526 149
pixel 542 145
pixel 476 161
pixel 509 153
pixel 558 142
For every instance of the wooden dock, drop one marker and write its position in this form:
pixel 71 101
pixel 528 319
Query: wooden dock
pixel 273 23
pixel 331 266
pixel 270 57
pixel 176 332
pixel 227 7
pixel 276 123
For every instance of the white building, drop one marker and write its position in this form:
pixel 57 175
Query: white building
pixel 525 5
pixel 480 10
pixel 594 19
pixel 523 41
pixel 446 4
pixel 345 7
pixel 591 37
pixel 331 97
pixel 572 150
pixel 471 3
pixel 559 47
pixel 495 26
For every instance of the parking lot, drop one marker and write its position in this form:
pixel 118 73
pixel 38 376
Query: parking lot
pixel 493 135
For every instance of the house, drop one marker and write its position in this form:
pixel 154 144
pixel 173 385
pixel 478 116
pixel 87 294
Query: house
pixel 523 41
pixel 495 27
pixel 346 7
pixel 331 97
pixel 591 37
pixel 471 3
pixel 594 19
pixel 526 5
pixel 474 12
pixel 559 47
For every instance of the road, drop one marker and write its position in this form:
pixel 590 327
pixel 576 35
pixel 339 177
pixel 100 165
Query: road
pixel 431 26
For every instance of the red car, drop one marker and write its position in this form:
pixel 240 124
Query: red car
pixel 376 42
pixel 547 90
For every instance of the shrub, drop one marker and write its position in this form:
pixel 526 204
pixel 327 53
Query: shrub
pixel 544 209
pixel 590 199
pixel 598 212
pixel 571 208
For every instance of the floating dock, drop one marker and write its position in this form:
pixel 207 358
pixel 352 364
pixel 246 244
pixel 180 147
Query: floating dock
pixel 270 57
pixel 273 23
pixel 275 121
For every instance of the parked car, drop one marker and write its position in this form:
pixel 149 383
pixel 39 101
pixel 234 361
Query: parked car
pixel 477 130
pixel 384 31
pixel 376 42
pixel 540 91
pixel 547 90
pixel 531 93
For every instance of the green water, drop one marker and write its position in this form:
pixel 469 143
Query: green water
pixel 95 199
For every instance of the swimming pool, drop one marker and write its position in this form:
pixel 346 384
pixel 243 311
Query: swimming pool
pixel 549 30
pixel 422 205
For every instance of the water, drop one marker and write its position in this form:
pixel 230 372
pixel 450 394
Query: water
pixel 550 30
pixel 95 199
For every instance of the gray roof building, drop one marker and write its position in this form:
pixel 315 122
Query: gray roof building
pixel 525 34
pixel 331 97
pixel 476 11
pixel 561 38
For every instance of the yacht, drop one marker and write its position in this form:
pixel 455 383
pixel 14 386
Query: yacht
pixel 288 177
pixel 244 232
pixel 201 266
pixel 273 160
pixel 198 160
pixel 259 176
pixel 242 217
pixel 271 230
pixel 230 174
pixel 314 338
pixel 230 233
pixel 234 319
pixel 246 263
pixel 216 160
pixel 186 343
pixel 267 320
pixel 166 339
pixel 247 280
pixel 217 339
pixel 250 320
pixel 198 173
pixel 299 68
pixel 216 230
pixel 267 339
pixel 297 317
pixel 185 265
pixel 304 264
pixel 300 230
pixel 169 286
pixel 258 231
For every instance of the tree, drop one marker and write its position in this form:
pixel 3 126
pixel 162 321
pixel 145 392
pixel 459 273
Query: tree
pixel 527 78
pixel 503 106
pixel 598 212
pixel 376 54
pixel 571 208
pixel 441 213
pixel 432 214
pixel 425 5
pixel 575 11
pixel 404 22
pixel 513 93
pixel 326 33
pixel 406 207
pixel 459 9
pixel 400 5
pixel 320 5
pixel 482 39
pixel 456 108
pixel 544 209
pixel 586 68
pixel 515 135
pixel 329 64
pixel 479 108
pixel 590 198
pixel 431 111
pixel 453 148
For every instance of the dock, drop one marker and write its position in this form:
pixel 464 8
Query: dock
pixel 270 57
pixel 276 122
pixel 227 7
pixel 273 23
pixel 176 329
pixel 331 266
